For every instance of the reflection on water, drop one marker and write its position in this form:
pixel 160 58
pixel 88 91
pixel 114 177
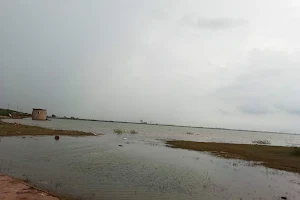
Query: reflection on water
pixel 143 168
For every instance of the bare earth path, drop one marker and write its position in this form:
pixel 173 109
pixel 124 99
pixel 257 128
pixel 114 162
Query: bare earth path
pixel 11 189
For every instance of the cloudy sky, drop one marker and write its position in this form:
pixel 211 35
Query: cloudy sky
pixel 233 64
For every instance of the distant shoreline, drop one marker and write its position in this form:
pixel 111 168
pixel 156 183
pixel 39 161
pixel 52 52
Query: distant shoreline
pixel 16 129
pixel 4 113
pixel 171 125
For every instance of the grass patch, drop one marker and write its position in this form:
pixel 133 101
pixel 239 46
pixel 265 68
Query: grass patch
pixel 296 151
pixel 10 129
pixel 119 131
pixel 276 157
pixel 15 114
pixel 189 133
pixel 5 112
pixel 133 131
pixel 261 141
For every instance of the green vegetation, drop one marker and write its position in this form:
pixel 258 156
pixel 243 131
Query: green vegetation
pixel 189 133
pixel 133 131
pixel 13 113
pixel 276 157
pixel 296 151
pixel 118 131
pixel 9 129
pixel 261 142
pixel 5 112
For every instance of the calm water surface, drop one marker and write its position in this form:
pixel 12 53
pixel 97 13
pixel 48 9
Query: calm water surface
pixel 169 132
pixel 143 168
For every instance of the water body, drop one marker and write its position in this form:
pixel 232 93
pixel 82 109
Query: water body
pixel 168 132
pixel 142 167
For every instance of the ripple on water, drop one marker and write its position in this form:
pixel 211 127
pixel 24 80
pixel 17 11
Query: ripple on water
pixel 97 168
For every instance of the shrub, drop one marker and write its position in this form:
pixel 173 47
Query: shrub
pixel 296 151
pixel 261 142
pixel 118 131
pixel 133 131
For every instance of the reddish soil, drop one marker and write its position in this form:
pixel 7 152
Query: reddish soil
pixel 11 189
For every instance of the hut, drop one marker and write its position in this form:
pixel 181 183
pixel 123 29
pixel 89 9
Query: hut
pixel 39 114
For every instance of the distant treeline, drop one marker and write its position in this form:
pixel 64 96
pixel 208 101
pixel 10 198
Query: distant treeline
pixel 13 113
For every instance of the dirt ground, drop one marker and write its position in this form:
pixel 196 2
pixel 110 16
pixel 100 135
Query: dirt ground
pixel 11 189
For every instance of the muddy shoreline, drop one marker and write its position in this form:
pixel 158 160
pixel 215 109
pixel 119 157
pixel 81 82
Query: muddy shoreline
pixel 13 189
pixel 276 157
pixel 15 129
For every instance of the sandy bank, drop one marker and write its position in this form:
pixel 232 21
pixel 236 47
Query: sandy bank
pixel 11 189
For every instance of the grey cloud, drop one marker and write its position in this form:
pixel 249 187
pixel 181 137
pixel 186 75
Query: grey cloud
pixel 219 23
pixel 291 108
pixel 294 111
pixel 267 85
pixel 130 61
pixel 213 24
pixel 223 112
pixel 266 77
pixel 254 109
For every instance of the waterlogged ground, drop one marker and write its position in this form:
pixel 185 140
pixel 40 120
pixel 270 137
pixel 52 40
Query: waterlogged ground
pixel 141 168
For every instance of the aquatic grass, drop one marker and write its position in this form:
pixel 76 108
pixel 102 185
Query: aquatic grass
pixel 276 157
pixel 118 131
pixel 261 141
pixel 10 129
pixel 296 151
pixel 189 133
pixel 133 131
pixel 26 180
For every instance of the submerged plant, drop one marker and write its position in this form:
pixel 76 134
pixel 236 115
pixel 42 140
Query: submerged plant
pixel 118 131
pixel 133 131
pixel 296 151
pixel 26 180
pixel 261 141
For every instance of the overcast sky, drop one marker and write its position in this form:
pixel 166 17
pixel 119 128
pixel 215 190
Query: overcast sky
pixel 216 63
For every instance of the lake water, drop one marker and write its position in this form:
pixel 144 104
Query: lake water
pixel 142 167
pixel 168 132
